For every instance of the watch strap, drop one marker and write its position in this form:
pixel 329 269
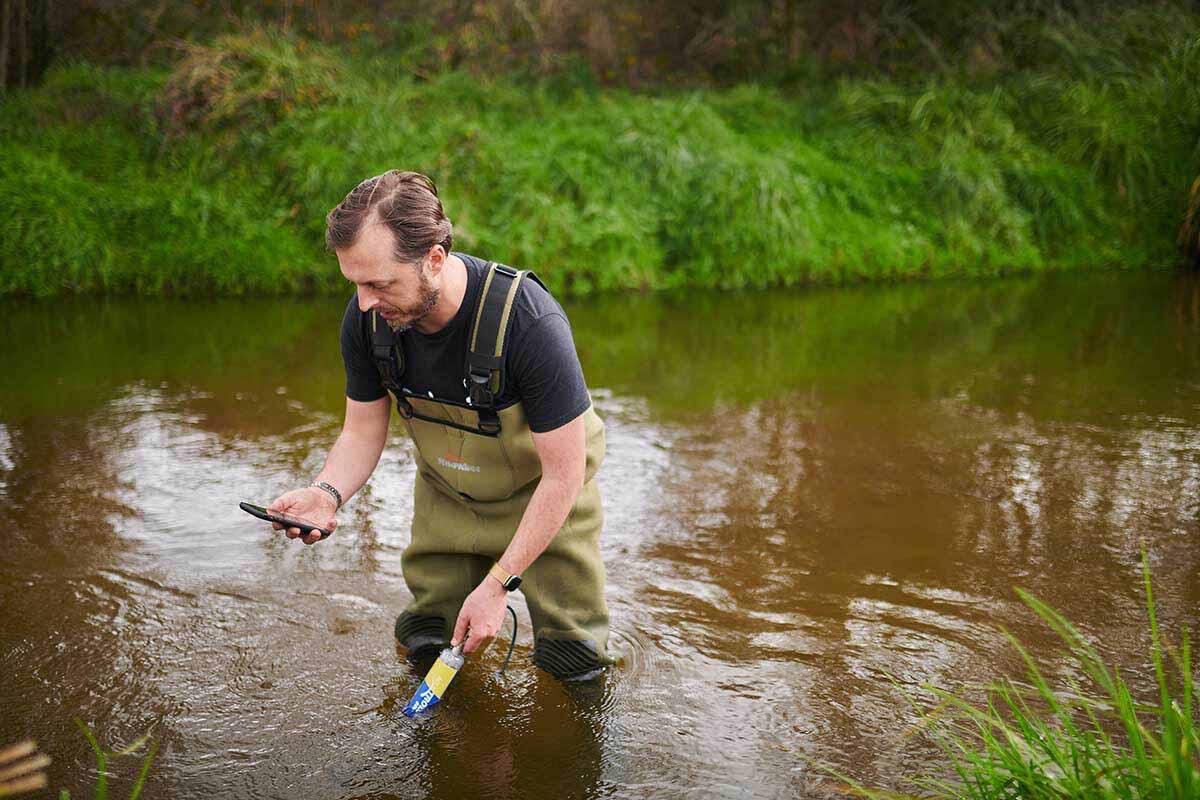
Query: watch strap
pixel 507 579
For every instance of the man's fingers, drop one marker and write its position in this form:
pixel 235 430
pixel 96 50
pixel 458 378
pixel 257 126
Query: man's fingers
pixel 312 537
pixel 460 629
pixel 277 507
pixel 478 638
pixel 292 533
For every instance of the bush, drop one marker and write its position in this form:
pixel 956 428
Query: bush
pixel 250 79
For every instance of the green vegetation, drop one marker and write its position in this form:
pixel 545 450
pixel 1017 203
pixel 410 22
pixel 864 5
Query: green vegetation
pixel 216 176
pixel 22 767
pixel 1088 739
pixel 100 791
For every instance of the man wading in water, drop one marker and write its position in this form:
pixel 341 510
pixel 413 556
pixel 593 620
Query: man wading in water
pixel 483 369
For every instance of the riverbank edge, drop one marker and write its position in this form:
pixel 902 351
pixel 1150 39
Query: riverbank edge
pixel 214 179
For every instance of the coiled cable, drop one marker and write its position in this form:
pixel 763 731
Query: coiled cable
pixel 511 644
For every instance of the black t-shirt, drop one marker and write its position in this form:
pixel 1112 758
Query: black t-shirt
pixel 541 367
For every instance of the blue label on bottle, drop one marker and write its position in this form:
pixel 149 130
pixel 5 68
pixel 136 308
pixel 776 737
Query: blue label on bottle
pixel 421 701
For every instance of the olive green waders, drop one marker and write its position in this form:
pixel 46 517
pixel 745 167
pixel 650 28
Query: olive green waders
pixel 476 472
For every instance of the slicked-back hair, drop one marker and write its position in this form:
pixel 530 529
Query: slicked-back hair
pixel 407 202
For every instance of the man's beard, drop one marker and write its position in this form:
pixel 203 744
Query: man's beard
pixel 428 299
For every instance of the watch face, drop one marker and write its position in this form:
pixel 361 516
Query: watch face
pixel 512 583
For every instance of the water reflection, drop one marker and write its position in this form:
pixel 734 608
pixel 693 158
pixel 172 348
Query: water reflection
pixel 808 495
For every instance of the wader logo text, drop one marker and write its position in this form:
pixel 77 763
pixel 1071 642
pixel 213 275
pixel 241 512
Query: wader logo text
pixel 461 466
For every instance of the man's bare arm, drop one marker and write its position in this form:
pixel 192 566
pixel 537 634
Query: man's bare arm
pixel 350 462
pixel 356 452
pixel 563 453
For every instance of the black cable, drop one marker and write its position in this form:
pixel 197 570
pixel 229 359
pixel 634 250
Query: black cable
pixel 511 644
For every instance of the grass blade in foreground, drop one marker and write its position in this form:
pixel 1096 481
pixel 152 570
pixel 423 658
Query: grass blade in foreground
pixel 100 791
pixel 1031 740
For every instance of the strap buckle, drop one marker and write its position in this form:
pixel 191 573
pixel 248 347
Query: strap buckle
pixel 480 390
pixel 403 407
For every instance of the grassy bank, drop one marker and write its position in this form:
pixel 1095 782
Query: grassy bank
pixel 216 176
pixel 1090 738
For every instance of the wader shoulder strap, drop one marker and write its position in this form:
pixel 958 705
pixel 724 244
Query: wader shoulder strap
pixel 485 350
pixel 386 351
pixel 388 354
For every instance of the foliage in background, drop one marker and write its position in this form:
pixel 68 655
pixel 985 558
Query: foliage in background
pixel 216 175
pixel 94 200
pixel 1088 739
pixel 257 75
pixel 1189 232
pixel 618 42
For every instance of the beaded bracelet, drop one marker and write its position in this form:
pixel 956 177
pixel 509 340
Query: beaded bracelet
pixel 334 493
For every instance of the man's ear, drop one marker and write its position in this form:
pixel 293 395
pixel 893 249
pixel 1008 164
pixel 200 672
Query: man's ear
pixel 437 259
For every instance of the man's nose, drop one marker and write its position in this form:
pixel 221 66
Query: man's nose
pixel 365 301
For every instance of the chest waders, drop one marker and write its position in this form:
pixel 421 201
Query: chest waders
pixel 476 472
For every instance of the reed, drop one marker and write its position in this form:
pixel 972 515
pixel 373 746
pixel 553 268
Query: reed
pixel 1078 738
pixel 100 790
pixel 22 767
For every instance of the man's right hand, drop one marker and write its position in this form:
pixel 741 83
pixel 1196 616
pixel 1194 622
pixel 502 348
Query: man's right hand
pixel 310 504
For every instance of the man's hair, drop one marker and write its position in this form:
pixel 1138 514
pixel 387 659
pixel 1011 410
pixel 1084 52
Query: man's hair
pixel 407 202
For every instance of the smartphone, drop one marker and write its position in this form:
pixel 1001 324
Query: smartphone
pixel 304 525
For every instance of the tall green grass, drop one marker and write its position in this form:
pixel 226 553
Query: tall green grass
pixel 1084 738
pixel 216 177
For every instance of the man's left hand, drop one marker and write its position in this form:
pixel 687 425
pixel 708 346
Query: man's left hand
pixel 481 614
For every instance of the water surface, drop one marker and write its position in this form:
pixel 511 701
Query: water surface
pixel 808 494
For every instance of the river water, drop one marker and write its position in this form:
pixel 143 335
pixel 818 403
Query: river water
pixel 815 501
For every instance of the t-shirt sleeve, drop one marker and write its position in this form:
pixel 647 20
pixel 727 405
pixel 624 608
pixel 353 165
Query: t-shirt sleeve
pixel 547 375
pixel 362 378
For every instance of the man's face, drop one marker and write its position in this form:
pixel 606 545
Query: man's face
pixel 401 293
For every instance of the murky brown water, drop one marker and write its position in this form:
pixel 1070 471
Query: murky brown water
pixel 806 492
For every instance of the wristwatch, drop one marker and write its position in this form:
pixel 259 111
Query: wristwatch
pixel 509 582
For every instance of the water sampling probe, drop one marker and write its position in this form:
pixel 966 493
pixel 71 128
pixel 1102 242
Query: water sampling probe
pixel 448 663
